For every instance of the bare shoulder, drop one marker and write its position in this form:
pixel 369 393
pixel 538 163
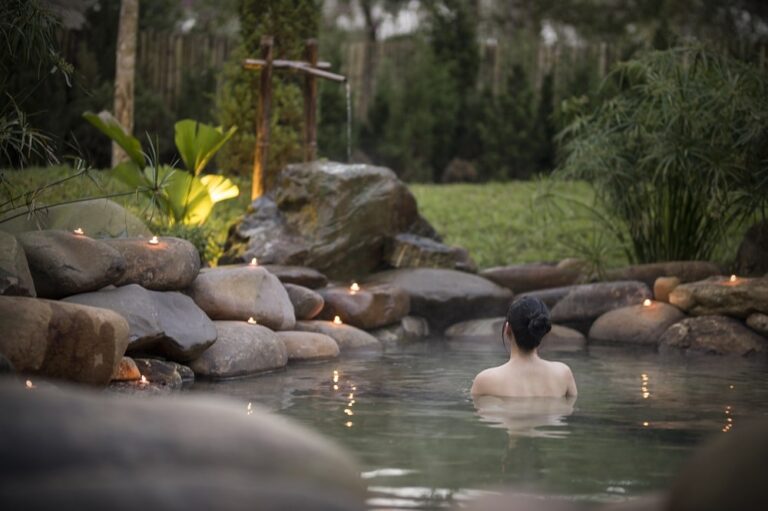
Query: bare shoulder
pixel 484 381
pixel 561 368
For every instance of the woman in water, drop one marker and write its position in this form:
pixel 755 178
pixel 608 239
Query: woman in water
pixel 525 374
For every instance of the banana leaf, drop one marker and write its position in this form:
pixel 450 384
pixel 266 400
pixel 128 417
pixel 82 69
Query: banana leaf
pixel 104 122
pixel 197 143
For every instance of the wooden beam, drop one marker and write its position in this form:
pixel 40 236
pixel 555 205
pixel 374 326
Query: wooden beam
pixel 310 104
pixel 281 63
pixel 262 119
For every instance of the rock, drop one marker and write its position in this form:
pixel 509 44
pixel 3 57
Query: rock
pixel 341 234
pixel 186 373
pixel 62 340
pixel 752 257
pixel 159 372
pixel 241 350
pixel 171 265
pixel 5 365
pixel 408 329
pixel 304 346
pixel 163 323
pixel 370 307
pixel 635 324
pixel 63 263
pixel 717 335
pixel 759 323
pixel 446 296
pixel 720 296
pixel 412 251
pixel 346 336
pixel 663 287
pixel 584 303
pixel 485 327
pixel 686 271
pixel 126 370
pixel 562 338
pixel 240 293
pixel 459 171
pixel 550 297
pixel 99 218
pixel 530 277
pixel 307 304
pixel 71 449
pixel 15 278
pixel 299 275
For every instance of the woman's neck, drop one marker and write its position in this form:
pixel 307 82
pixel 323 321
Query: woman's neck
pixel 516 353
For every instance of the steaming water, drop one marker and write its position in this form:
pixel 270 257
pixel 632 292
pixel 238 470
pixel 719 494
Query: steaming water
pixel 421 443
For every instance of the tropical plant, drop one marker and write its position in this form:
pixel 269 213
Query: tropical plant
pixel 183 197
pixel 677 151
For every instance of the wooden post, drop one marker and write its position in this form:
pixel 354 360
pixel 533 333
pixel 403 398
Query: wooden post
pixel 310 104
pixel 262 119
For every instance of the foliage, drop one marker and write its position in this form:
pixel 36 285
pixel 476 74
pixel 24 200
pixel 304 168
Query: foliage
pixel 183 197
pixel 677 151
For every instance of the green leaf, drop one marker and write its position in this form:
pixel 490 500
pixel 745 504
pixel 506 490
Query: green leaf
pixel 197 143
pixel 131 175
pixel 219 187
pixel 110 126
pixel 188 198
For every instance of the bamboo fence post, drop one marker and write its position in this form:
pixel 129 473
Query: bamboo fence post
pixel 262 119
pixel 310 104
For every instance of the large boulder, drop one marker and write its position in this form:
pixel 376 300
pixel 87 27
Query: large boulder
pixel 241 349
pixel 368 308
pixel 308 346
pixel 347 337
pixel 521 278
pixel 719 335
pixel 307 304
pixel 170 265
pixel 550 296
pixel 62 340
pixel 15 278
pixel 71 450
pixel 164 323
pixel 63 263
pixel 408 329
pixel 444 297
pixel 484 327
pixel 299 275
pixel 739 298
pixel 159 372
pixel 686 271
pixel 413 251
pixel 752 257
pixel 329 216
pixel 582 304
pixel 759 323
pixel 98 218
pixel 638 325
pixel 239 293
pixel 559 338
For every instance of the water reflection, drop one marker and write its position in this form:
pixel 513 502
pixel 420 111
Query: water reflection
pixel 542 417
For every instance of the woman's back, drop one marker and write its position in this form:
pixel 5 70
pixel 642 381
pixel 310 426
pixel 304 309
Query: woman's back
pixel 526 377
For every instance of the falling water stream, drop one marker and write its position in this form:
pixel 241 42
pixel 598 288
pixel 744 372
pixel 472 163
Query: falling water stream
pixel 349 121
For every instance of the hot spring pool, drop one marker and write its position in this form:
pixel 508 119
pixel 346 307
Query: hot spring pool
pixel 408 417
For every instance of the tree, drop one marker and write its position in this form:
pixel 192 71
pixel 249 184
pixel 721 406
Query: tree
pixel 125 71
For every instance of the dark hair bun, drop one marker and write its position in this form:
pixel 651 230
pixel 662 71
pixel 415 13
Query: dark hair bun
pixel 539 325
pixel 529 319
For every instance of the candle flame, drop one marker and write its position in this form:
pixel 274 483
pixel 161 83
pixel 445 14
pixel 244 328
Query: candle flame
pixel 354 288
pixel 647 302
pixel 144 380
pixel 30 385
pixel 251 321
pixel 645 424
pixel 337 320
pixel 153 241
pixel 254 262
pixel 79 231
pixel 733 278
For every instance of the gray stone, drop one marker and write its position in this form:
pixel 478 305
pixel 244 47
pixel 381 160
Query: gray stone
pixel 159 372
pixel 341 234
pixel 444 297
pixel 164 323
pixel 126 370
pixel 186 373
pixel 76 450
pixel 306 346
pixel 412 251
pixel 635 324
pixel 686 271
pixel 752 257
pixel 15 278
pixel 485 327
pixel 721 296
pixel 99 218
pixel 63 263
pixel 299 275
pixel 759 323
pixel 584 303
pixel 663 287
pixel 240 293
pixel 370 307
pixel 171 265
pixel 347 337
pixel 550 297
pixel 241 349
pixel 5 365
pixel 307 304
pixel 530 277
pixel 718 335
pixel 408 329
pixel 62 340
pixel 560 338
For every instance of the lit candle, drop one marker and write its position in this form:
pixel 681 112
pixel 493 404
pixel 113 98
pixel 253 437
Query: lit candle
pixel 647 302
pixel 251 321
pixel 733 278
pixel 337 320
pixel 153 241
pixel 354 288
pixel 645 424
pixel 79 231
pixel 143 380
pixel 30 385
pixel 254 262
